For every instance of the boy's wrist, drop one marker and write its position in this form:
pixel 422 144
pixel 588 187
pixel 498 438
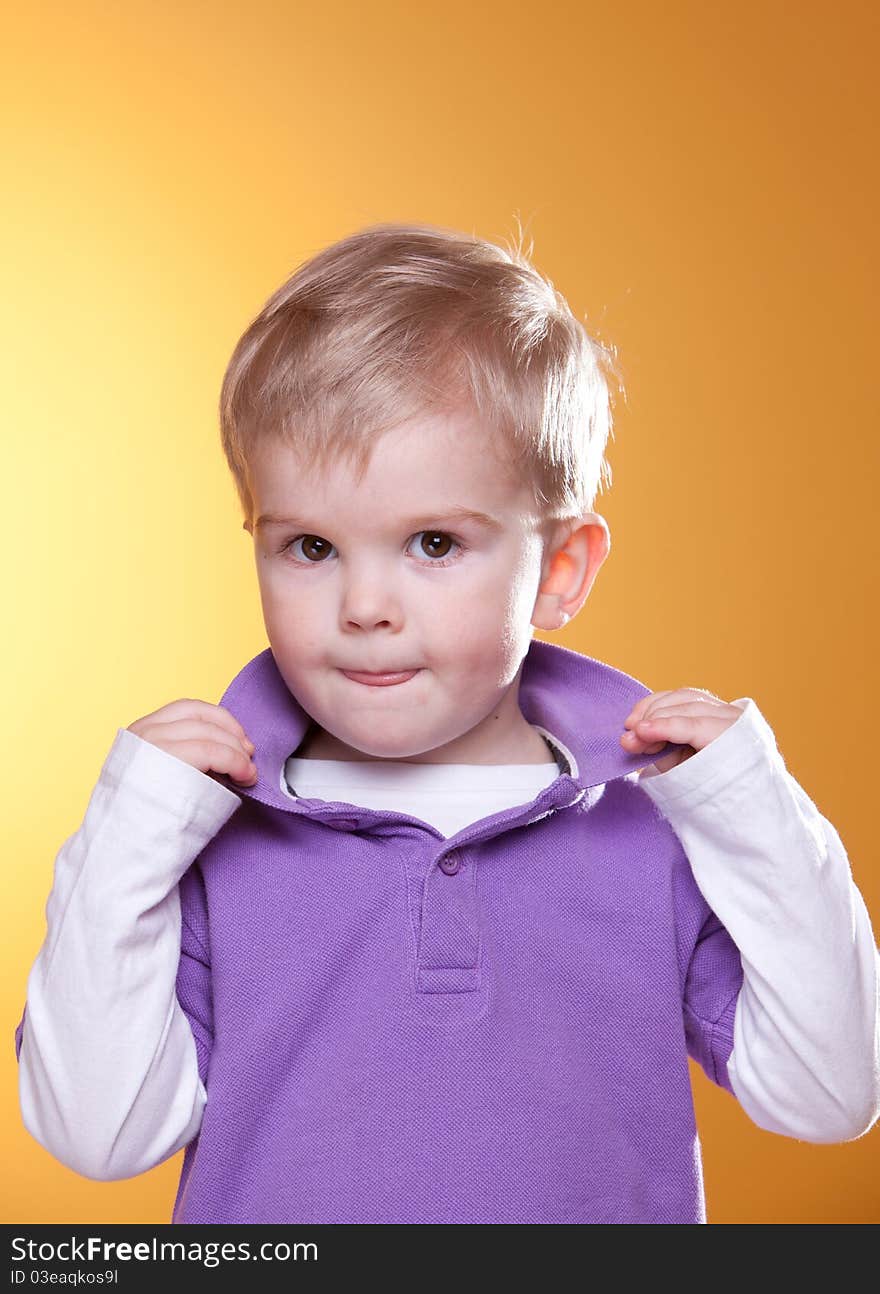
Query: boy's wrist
pixel 166 784
pixel 720 765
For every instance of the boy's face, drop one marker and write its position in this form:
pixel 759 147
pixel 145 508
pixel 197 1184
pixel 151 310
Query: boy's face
pixel 382 576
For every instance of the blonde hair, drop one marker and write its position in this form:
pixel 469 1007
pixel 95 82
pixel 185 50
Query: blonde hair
pixel 401 319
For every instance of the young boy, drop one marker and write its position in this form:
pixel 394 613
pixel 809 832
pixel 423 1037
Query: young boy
pixel 408 928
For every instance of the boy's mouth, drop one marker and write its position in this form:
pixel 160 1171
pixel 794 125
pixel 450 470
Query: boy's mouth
pixel 380 679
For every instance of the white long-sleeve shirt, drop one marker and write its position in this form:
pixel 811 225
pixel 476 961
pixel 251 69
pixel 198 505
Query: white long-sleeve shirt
pixel 108 1074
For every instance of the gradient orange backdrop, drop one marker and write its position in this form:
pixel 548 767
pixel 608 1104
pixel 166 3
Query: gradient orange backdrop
pixel 701 184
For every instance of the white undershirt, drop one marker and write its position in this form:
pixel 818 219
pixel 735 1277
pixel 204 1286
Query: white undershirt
pixel 448 796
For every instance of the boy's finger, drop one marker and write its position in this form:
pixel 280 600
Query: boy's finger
pixel 188 707
pixel 638 745
pixel 638 710
pixel 231 720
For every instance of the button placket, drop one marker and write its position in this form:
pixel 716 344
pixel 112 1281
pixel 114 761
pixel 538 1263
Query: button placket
pixel 449 944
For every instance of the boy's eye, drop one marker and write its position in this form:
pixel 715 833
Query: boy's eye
pixel 314 548
pixel 435 544
pixel 432 540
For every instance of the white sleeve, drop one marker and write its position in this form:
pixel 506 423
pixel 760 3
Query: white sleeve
pixel 806 1055
pixel 108 1076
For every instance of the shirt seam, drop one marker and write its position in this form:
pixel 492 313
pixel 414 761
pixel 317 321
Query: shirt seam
pixel 202 949
pixel 712 1027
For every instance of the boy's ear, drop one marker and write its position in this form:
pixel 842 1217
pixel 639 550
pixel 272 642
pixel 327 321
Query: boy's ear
pixel 573 553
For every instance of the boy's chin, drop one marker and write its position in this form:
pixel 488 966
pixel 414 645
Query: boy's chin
pixel 319 743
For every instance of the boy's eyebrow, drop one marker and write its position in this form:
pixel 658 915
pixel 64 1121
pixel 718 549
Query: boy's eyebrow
pixel 454 513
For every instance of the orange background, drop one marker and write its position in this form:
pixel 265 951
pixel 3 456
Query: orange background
pixel 701 184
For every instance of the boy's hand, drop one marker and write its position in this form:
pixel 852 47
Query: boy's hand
pixel 687 715
pixel 201 734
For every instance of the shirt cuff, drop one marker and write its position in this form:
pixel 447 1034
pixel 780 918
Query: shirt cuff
pixel 162 779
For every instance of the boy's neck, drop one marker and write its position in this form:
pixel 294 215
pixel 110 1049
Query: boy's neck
pixel 524 745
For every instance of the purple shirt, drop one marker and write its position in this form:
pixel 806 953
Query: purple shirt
pixel 397 1027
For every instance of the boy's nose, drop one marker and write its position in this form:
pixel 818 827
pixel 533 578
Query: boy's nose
pixel 371 604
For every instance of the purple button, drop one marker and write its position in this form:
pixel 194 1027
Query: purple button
pixel 450 864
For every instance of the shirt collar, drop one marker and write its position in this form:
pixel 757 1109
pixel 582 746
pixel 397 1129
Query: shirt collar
pixel 575 698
